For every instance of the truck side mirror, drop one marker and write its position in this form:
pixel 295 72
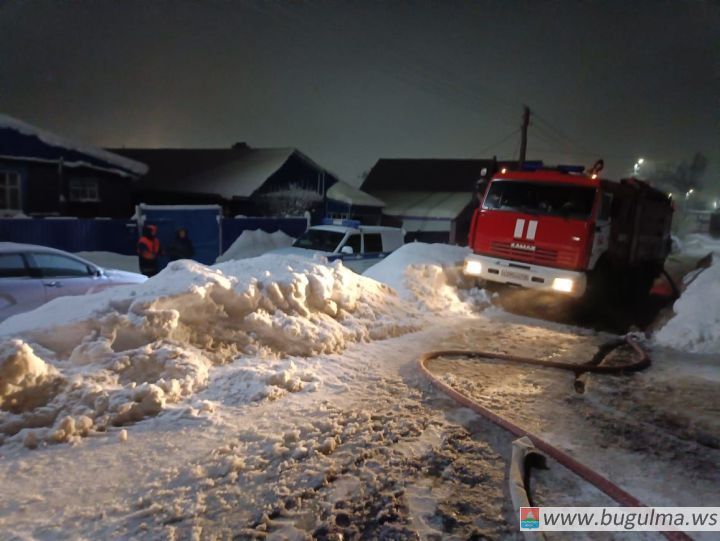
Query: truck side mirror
pixel 347 250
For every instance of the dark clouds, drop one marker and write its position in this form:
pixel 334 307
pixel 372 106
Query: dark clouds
pixel 349 82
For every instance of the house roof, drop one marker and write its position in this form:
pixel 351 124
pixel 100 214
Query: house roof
pixel 229 172
pixel 24 142
pixel 425 205
pixel 448 175
pixel 343 192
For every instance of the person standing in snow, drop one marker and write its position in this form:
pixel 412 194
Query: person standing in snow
pixel 148 249
pixel 182 246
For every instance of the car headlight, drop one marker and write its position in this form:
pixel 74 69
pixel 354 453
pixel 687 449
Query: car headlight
pixel 473 267
pixel 563 284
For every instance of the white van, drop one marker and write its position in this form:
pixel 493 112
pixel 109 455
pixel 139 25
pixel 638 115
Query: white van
pixel 358 246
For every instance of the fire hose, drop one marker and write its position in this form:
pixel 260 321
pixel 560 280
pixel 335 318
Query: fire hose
pixel 593 366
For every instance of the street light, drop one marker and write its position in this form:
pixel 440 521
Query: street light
pixel 687 196
pixel 638 163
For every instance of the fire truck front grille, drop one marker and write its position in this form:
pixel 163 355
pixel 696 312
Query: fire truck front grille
pixel 540 256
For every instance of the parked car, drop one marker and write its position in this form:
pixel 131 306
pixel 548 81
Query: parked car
pixel 358 246
pixel 32 275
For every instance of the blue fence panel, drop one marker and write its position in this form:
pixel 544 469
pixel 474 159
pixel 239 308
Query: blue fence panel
pixel 233 227
pixel 201 222
pixel 120 236
pixel 82 235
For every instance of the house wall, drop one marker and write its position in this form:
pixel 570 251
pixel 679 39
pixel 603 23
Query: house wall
pixel 43 184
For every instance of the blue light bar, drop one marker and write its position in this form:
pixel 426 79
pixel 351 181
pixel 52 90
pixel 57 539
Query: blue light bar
pixel 344 223
pixel 571 168
pixel 532 166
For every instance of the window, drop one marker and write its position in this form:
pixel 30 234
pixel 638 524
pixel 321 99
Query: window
pixel 84 190
pixel 12 266
pixel 566 200
pixel 10 191
pixel 319 239
pixel 354 242
pixel 373 243
pixel 54 265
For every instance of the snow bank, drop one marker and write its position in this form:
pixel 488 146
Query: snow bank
pixel 119 356
pixel 244 328
pixel 25 380
pixel 253 243
pixel 699 244
pixel 430 274
pixel 695 328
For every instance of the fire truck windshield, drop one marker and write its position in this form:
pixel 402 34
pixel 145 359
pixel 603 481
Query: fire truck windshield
pixel 565 200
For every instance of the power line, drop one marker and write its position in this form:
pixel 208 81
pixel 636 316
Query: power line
pixel 498 143
pixel 561 134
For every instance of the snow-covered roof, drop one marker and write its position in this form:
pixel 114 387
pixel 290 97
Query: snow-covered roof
pixel 434 205
pixel 345 193
pixel 22 141
pixel 242 177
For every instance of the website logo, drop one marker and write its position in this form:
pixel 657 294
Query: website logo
pixel 529 518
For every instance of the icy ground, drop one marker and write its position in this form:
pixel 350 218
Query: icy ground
pixel 656 432
pixel 278 397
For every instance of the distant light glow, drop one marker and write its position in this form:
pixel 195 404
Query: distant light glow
pixel 503 170
pixel 641 161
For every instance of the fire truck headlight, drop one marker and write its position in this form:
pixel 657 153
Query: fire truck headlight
pixel 563 284
pixel 472 267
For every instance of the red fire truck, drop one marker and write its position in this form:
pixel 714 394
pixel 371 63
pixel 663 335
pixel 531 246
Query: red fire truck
pixel 562 230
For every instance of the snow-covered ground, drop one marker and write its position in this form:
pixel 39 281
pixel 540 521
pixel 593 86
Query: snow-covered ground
pixel 112 260
pixel 700 244
pixel 253 243
pixel 273 396
pixel 695 327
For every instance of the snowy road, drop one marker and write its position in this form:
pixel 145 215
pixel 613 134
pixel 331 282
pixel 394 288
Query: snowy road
pixel 382 454
pixel 280 399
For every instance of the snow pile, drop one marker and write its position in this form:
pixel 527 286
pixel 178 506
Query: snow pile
pixel 26 381
pixel 699 244
pixel 131 352
pixel 253 243
pixel 430 274
pixel 695 328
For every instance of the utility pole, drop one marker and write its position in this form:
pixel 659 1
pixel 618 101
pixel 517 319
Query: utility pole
pixel 523 140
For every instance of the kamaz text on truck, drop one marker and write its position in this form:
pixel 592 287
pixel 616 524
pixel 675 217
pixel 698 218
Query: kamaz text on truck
pixel 562 230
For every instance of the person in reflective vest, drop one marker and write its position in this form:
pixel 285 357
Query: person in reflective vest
pixel 148 249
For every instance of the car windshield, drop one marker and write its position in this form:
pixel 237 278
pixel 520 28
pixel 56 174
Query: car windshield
pixel 566 200
pixel 319 239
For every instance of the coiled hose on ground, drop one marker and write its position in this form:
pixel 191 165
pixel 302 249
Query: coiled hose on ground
pixel 593 366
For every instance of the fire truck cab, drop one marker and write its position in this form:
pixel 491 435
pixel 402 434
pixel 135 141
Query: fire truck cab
pixel 560 230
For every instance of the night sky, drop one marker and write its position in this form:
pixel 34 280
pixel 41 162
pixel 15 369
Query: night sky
pixel 349 83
